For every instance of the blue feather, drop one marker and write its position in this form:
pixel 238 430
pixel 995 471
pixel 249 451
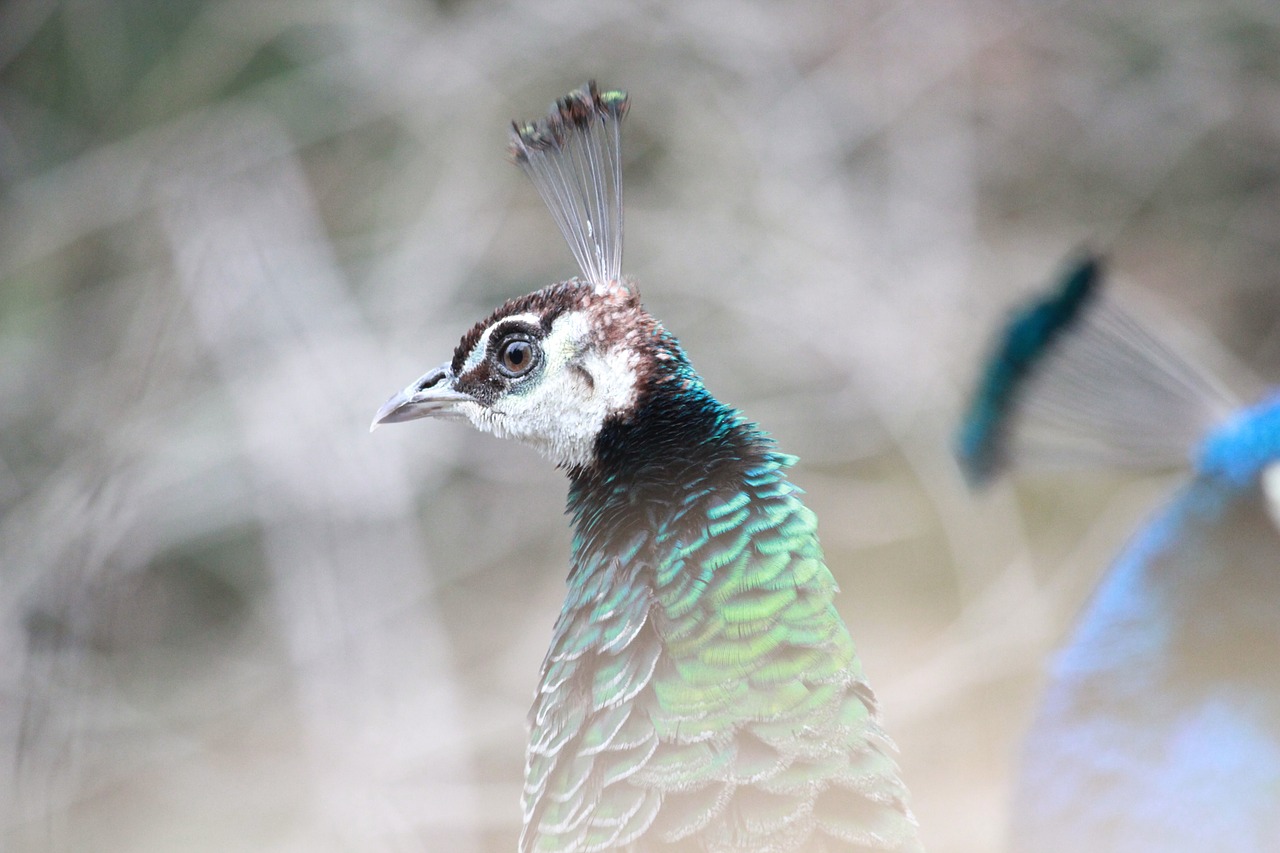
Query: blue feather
pixel 1244 445
pixel 1160 725
pixel 1160 728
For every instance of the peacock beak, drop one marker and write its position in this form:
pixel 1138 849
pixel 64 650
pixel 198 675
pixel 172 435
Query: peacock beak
pixel 432 396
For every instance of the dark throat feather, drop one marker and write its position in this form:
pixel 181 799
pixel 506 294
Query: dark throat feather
pixel 700 691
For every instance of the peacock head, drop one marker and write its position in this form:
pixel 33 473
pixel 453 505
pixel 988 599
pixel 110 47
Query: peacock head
pixel 551 368
pixel 547 369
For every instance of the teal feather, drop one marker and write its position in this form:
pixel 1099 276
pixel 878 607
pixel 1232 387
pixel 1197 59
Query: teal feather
pixel 701 691
pixel 1023 343
pixel 1159 727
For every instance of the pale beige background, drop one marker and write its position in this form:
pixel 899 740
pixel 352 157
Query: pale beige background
pixel 233 620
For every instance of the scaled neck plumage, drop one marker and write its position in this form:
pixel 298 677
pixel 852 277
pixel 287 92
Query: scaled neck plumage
pixel 676 441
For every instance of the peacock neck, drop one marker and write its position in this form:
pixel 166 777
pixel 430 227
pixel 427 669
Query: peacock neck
pixel 678 442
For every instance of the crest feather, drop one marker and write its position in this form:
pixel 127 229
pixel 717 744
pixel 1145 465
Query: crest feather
pixel 1074 377
pixel 574 157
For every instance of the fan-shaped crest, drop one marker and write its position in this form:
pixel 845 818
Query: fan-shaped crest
pixel 574 158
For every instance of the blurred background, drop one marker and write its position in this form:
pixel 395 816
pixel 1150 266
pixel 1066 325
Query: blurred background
pixel 233 620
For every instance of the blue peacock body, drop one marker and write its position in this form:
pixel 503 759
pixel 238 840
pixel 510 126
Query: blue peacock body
pixel 1160 726
pixel 700 692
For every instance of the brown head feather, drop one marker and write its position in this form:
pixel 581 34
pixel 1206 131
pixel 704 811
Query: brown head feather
pixel 617 316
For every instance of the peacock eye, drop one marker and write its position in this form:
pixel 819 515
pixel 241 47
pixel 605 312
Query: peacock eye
pixel 517 356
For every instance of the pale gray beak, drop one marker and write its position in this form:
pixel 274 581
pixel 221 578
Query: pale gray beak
pixel 432 396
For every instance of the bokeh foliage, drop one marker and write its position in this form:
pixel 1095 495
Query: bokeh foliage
pixel 228 230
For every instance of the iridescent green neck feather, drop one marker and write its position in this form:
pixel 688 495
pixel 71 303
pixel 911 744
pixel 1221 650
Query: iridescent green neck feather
pixel 701 690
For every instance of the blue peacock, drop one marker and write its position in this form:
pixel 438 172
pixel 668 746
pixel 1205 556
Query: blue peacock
pixel 700 692
pixel 1160 726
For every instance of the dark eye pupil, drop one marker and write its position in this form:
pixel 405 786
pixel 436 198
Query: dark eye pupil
pixel 515 356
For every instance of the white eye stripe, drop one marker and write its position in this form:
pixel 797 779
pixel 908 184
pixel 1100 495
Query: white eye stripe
pixel 578 386
pixel 478 352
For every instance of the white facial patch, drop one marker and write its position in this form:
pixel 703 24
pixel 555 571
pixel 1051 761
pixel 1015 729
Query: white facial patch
pixel 561 408
pixel 478 351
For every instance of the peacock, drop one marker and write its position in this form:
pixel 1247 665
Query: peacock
pixel 700 692
pixel 1159 729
